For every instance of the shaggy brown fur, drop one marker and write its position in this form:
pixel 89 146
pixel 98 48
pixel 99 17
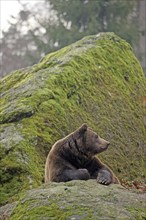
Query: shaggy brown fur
pixel 73 158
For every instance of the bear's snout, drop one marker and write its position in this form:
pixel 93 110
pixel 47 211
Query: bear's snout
pixel 108 143
pixel 103 143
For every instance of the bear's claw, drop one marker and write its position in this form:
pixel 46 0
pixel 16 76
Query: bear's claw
pixel 104 177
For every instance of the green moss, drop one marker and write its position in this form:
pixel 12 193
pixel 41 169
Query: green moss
pixel 139 212
pixel 96 80
pixel 53 211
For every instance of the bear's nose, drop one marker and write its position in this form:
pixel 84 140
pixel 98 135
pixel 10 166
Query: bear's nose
pixel 108 143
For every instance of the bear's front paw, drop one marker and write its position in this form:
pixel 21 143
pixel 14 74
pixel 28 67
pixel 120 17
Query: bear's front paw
pixel 83 174
pixel 104 177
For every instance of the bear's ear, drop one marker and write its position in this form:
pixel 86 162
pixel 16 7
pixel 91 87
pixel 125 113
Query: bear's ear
pixel 82 129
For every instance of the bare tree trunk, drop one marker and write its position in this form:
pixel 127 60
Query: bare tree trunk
pixel 141 7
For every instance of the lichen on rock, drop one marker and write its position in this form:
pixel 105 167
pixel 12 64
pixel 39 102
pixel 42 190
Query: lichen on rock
pixel 78 200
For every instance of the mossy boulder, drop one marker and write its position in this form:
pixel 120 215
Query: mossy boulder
pixel 97 80
pixel 77 200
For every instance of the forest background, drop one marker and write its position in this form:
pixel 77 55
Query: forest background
pixel 52 24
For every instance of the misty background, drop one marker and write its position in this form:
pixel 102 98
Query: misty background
pixel 49 25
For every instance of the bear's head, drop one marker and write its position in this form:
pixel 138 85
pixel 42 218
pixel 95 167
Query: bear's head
pixel 89 142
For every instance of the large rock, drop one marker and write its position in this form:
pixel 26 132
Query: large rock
pixel 77 200
pixel 96 80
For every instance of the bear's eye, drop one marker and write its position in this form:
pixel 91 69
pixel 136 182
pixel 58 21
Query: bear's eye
pixel 96 136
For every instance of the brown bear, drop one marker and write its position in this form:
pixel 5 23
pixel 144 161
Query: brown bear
pixel 73 158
